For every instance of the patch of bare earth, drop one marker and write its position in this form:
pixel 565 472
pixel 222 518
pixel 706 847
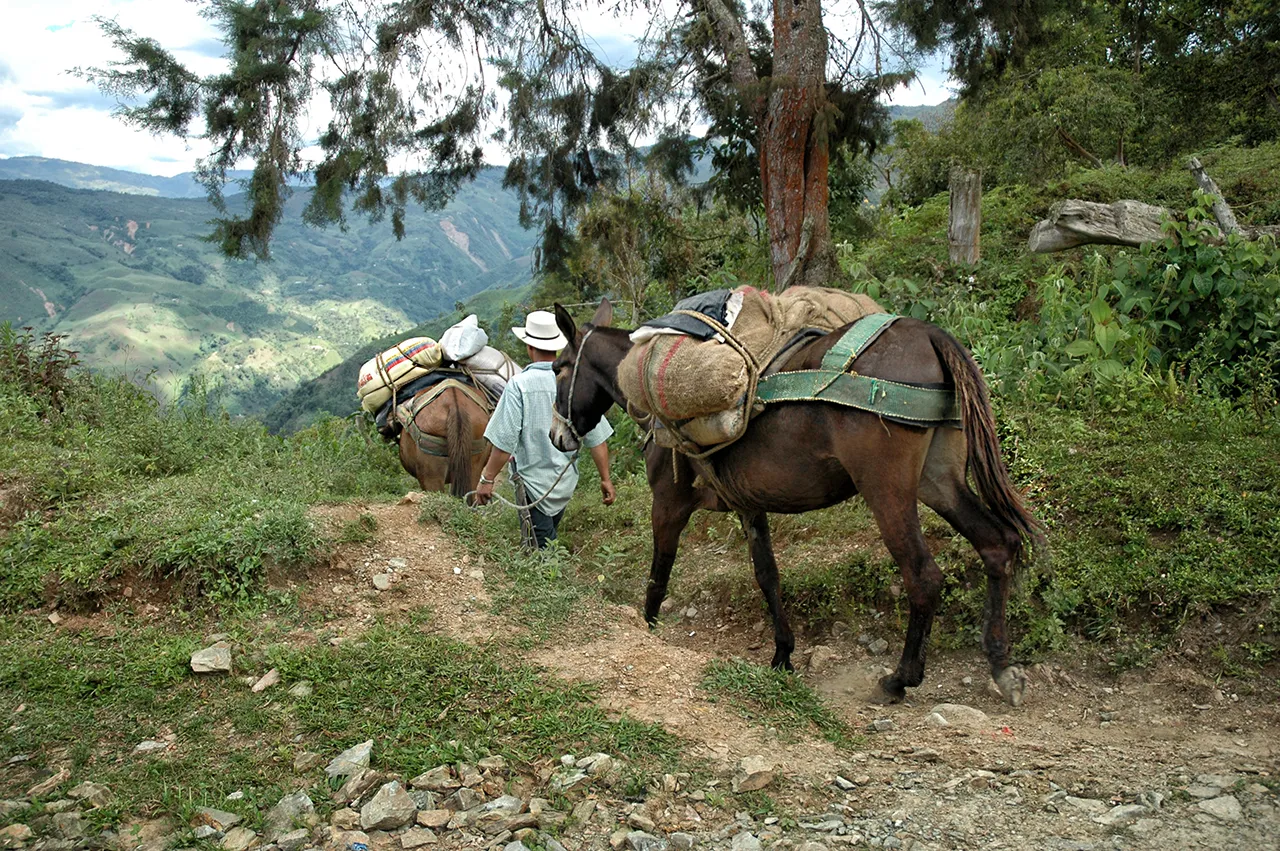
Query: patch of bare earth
pixel 1157 758
pixel 423 569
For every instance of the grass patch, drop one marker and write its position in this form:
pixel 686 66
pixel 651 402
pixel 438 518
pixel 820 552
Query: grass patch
pixel 774 699
pixel 358 531
pixel 423 699
pixel 110 483
pixel 546 587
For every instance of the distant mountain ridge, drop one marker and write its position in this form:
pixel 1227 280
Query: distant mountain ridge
pixel 130 278
pixel 83 176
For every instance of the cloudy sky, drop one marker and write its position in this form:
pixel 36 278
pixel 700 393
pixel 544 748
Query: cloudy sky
pixel 46 111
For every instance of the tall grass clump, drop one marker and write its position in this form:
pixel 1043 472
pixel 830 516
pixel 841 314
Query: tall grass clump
pixel 100 481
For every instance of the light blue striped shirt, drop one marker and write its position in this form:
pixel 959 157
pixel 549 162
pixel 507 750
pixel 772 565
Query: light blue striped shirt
pixel 521 425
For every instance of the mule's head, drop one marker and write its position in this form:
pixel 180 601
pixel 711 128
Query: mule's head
pixel 582 387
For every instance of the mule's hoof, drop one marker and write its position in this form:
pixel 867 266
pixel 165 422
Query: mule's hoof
pixel 891 690
pixel 1012 683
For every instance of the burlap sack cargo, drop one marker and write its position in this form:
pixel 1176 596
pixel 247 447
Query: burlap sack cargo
pixel 393 369
pixel 706 382
pixel 678 377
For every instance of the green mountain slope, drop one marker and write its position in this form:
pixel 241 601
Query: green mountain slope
pixel 132 282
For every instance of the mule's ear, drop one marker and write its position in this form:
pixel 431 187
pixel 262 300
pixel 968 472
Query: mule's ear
pixel 604 314
pixel 566 324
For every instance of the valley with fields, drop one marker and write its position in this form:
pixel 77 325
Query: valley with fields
pixel 131 281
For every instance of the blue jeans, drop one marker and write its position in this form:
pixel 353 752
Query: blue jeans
pixel 544 526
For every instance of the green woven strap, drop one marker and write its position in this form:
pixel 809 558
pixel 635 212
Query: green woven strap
pixel 855 341
pixel 833 383
pixel 923 405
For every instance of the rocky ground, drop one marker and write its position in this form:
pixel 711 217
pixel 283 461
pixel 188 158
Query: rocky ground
pixel 1158 758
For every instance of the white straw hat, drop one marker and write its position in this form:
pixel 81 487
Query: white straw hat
pixel 541 332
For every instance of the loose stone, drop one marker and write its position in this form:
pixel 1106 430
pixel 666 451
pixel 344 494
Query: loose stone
pixel 389 809
pixel 238 839
pixel 434 818
pixel 95 794
pixel 438 779
pixel 1226 808
pixel 417 837
pixel 959 715
pixel 269 679
pixel 220 820
pixel 351 760
pixel 287 814
pixel 294 840
pixel 1122 814
pixel 215 659
pixel 754 772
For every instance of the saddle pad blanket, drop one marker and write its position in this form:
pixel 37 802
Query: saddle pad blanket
pixel 407 414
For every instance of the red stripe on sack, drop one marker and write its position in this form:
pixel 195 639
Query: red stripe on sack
pixel 662 372
pixel 407 355
pixel 641 362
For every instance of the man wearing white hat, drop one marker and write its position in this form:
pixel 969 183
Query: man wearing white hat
pixel 521 428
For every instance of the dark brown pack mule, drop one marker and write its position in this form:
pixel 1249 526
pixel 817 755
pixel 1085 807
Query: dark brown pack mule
pixel 802 456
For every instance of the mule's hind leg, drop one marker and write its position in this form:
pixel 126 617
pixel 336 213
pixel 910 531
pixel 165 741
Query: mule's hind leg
pixel 944 489
pixel 766 568
pixel 899 523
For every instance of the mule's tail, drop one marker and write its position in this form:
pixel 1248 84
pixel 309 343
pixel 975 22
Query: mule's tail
pixel 458 438
pixel 983 461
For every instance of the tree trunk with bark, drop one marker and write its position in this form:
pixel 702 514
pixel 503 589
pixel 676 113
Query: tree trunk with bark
pixel 788 111
pixel 794 155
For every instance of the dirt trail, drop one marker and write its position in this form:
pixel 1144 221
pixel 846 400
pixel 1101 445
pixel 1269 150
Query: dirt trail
pixel 1165 741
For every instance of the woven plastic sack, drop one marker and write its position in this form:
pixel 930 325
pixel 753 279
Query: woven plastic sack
pixel 395 368
pixel 463 340
pixel 492 369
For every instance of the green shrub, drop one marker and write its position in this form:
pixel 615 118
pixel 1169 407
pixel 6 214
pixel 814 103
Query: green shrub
pixel 120 485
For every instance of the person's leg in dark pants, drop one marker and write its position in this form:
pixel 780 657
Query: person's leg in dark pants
pixel 544 525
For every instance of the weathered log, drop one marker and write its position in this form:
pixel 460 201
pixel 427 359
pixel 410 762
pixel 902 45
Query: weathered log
pixel 966 216
pixel 1072 223
pixel 1221 209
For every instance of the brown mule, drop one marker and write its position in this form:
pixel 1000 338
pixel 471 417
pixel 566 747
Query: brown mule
pixel 802 456
pixel 454 450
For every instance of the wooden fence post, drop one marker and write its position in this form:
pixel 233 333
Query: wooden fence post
pixel 966 215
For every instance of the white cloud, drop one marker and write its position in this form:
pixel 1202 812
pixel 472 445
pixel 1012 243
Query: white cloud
pixel 932 85
pixel 64 117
